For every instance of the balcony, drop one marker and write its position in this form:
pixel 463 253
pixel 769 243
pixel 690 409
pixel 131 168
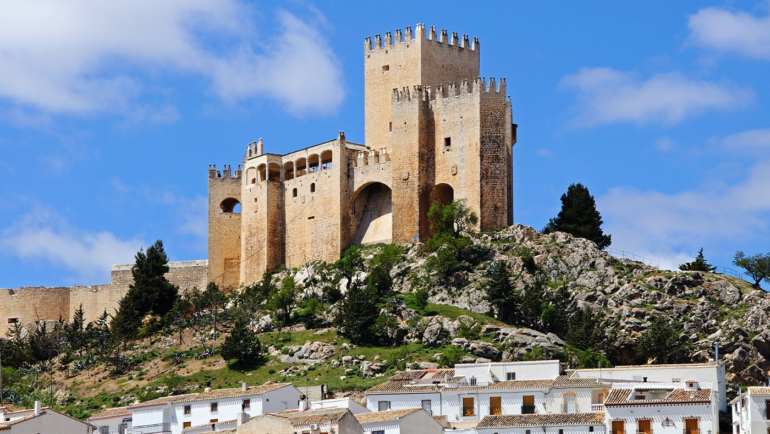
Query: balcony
pixel 597 407
pixel 158 428
pixel 527 409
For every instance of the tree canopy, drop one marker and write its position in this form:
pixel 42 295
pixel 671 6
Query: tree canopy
pixel 579 217
pixel 757 266
pixel 699 264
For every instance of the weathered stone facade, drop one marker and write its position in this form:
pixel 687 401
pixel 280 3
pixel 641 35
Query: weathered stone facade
pixel 35 303
pixel 435 131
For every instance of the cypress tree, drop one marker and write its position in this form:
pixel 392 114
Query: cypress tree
pixel 242 344
pixel 357 314
pixel 150 292
pixel 579 217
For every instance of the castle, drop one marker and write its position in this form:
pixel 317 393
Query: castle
pixel 435 131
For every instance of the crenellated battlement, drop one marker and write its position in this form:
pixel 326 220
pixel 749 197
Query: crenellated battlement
pixel 420 34
pixel 365 158
pixel 254 149
pixel 226 173
pixel 465 87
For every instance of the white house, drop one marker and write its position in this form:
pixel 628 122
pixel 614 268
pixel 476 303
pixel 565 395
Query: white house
pixel 407 421
pixel 173 414
pixel 708 372
pixel 751 411
pixel 566 423
pixel 112 421
pixel 657 408
pixel 348 403
pixel 42 420
pixel 469 392
pixel 333 420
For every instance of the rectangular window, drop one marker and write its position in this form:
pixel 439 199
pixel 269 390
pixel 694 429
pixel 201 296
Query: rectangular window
pixel 447 144
pixel 618 427
pixel 473 381
pixel 468 407
pixel 214 421
pixel 13 320
pixel 383 405
pixel 214 407
pixel 590 429
pixel 495 405
pixel 186 425
pixel 561 431
pixel 644 426
pixel 390 126
pixel 385 68
pixel 246 404
pixel 527 432
pixel 187 409
pixel 529 405
pixel 426 405
pixel 676 380
pixel 767 410
pixel 510 376
pixel 378 432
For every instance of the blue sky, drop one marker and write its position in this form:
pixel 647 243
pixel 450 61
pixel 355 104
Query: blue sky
pixel 111 112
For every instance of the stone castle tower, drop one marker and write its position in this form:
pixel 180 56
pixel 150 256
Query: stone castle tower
pixel 435 131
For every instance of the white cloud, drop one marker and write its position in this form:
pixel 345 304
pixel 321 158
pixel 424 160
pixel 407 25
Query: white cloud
pixel 672 227
pixel 665 144
pixel 89 56
pixel 545 153
pixel 752 142
pixel 731 32
pixel 45 236
pixel 608 96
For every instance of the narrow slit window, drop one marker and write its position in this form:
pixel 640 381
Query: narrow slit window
pixel 390 126
pixel 312 187
pixel 447 144
pixel 294 193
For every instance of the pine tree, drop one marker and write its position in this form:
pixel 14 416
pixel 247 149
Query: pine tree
pixel 699 264
pixel 242 344
pixel 357 314
pixel 579 217
pixel 501 294
pixel 75 332
pixel 660 344
pixel 150 292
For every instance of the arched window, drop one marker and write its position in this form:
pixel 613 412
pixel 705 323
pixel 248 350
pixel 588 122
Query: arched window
pixel 274 172
pixel 326 160
pixel 261 173
pixel 230 206
pixel 294 193
pixel 312 187
pixel 288 170
pixel 313 162
pixel 300 167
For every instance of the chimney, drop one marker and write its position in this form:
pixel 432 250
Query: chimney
pixel 241 418
pixel 302 403
pixel 37 408
pixel 207 389
pixel 244 386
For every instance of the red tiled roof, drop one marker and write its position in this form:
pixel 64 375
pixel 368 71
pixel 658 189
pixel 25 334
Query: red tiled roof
pixel 543 419
pixel 214 394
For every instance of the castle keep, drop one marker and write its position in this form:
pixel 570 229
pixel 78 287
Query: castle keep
pixel 435 131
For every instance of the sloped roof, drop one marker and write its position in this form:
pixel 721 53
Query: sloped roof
pixel 109 413
pixel 214 394
pixel 205 425
pixel 381 416
pixel 307 417
pixel 756 390
pixel 675 396
pixel 568 381
pixel 541 420
pixel 407 387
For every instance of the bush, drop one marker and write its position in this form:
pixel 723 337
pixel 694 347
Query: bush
pixel 421 300
pixel 534 353
pixel 451 356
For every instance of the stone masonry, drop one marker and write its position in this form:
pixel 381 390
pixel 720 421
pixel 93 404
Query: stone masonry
pixel 435 131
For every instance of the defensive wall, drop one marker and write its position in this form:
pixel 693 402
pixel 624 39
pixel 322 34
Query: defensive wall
pixel 28 304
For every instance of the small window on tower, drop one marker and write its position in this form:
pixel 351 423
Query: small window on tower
pixel 294 193
pixel 312 187
pixel 385 68
pixel 390 126
pixel 447 144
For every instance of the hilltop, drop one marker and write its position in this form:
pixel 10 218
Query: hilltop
pixel 458 323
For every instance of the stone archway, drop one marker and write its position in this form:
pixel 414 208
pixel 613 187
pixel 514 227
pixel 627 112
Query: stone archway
pixel 371 212
pixel 442 193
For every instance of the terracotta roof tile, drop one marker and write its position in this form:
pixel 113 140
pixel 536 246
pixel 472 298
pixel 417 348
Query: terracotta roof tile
pixel 214 394
pixel 621 397
pixel 759 390
pixel 381 416
pixel 567 381
pixel 313 416
pixel 217 424
pixel 109 413
pixel 541 420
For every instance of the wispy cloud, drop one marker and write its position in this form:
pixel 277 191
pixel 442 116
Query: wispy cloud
pixel 92 56
pixel 751 142
pixel 673 226
pixel 733 32
pixel 665 144
pixel 43 235
pixel 606 95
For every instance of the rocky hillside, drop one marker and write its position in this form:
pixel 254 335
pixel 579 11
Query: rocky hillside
pixel 709 307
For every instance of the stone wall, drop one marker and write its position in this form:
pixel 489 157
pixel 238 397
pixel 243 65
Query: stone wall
pixel 224 234
pixel 30 304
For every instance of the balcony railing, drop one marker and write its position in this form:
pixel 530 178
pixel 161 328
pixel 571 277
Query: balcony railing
pixel 597 407
pixel 158 428
pixel 527 409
